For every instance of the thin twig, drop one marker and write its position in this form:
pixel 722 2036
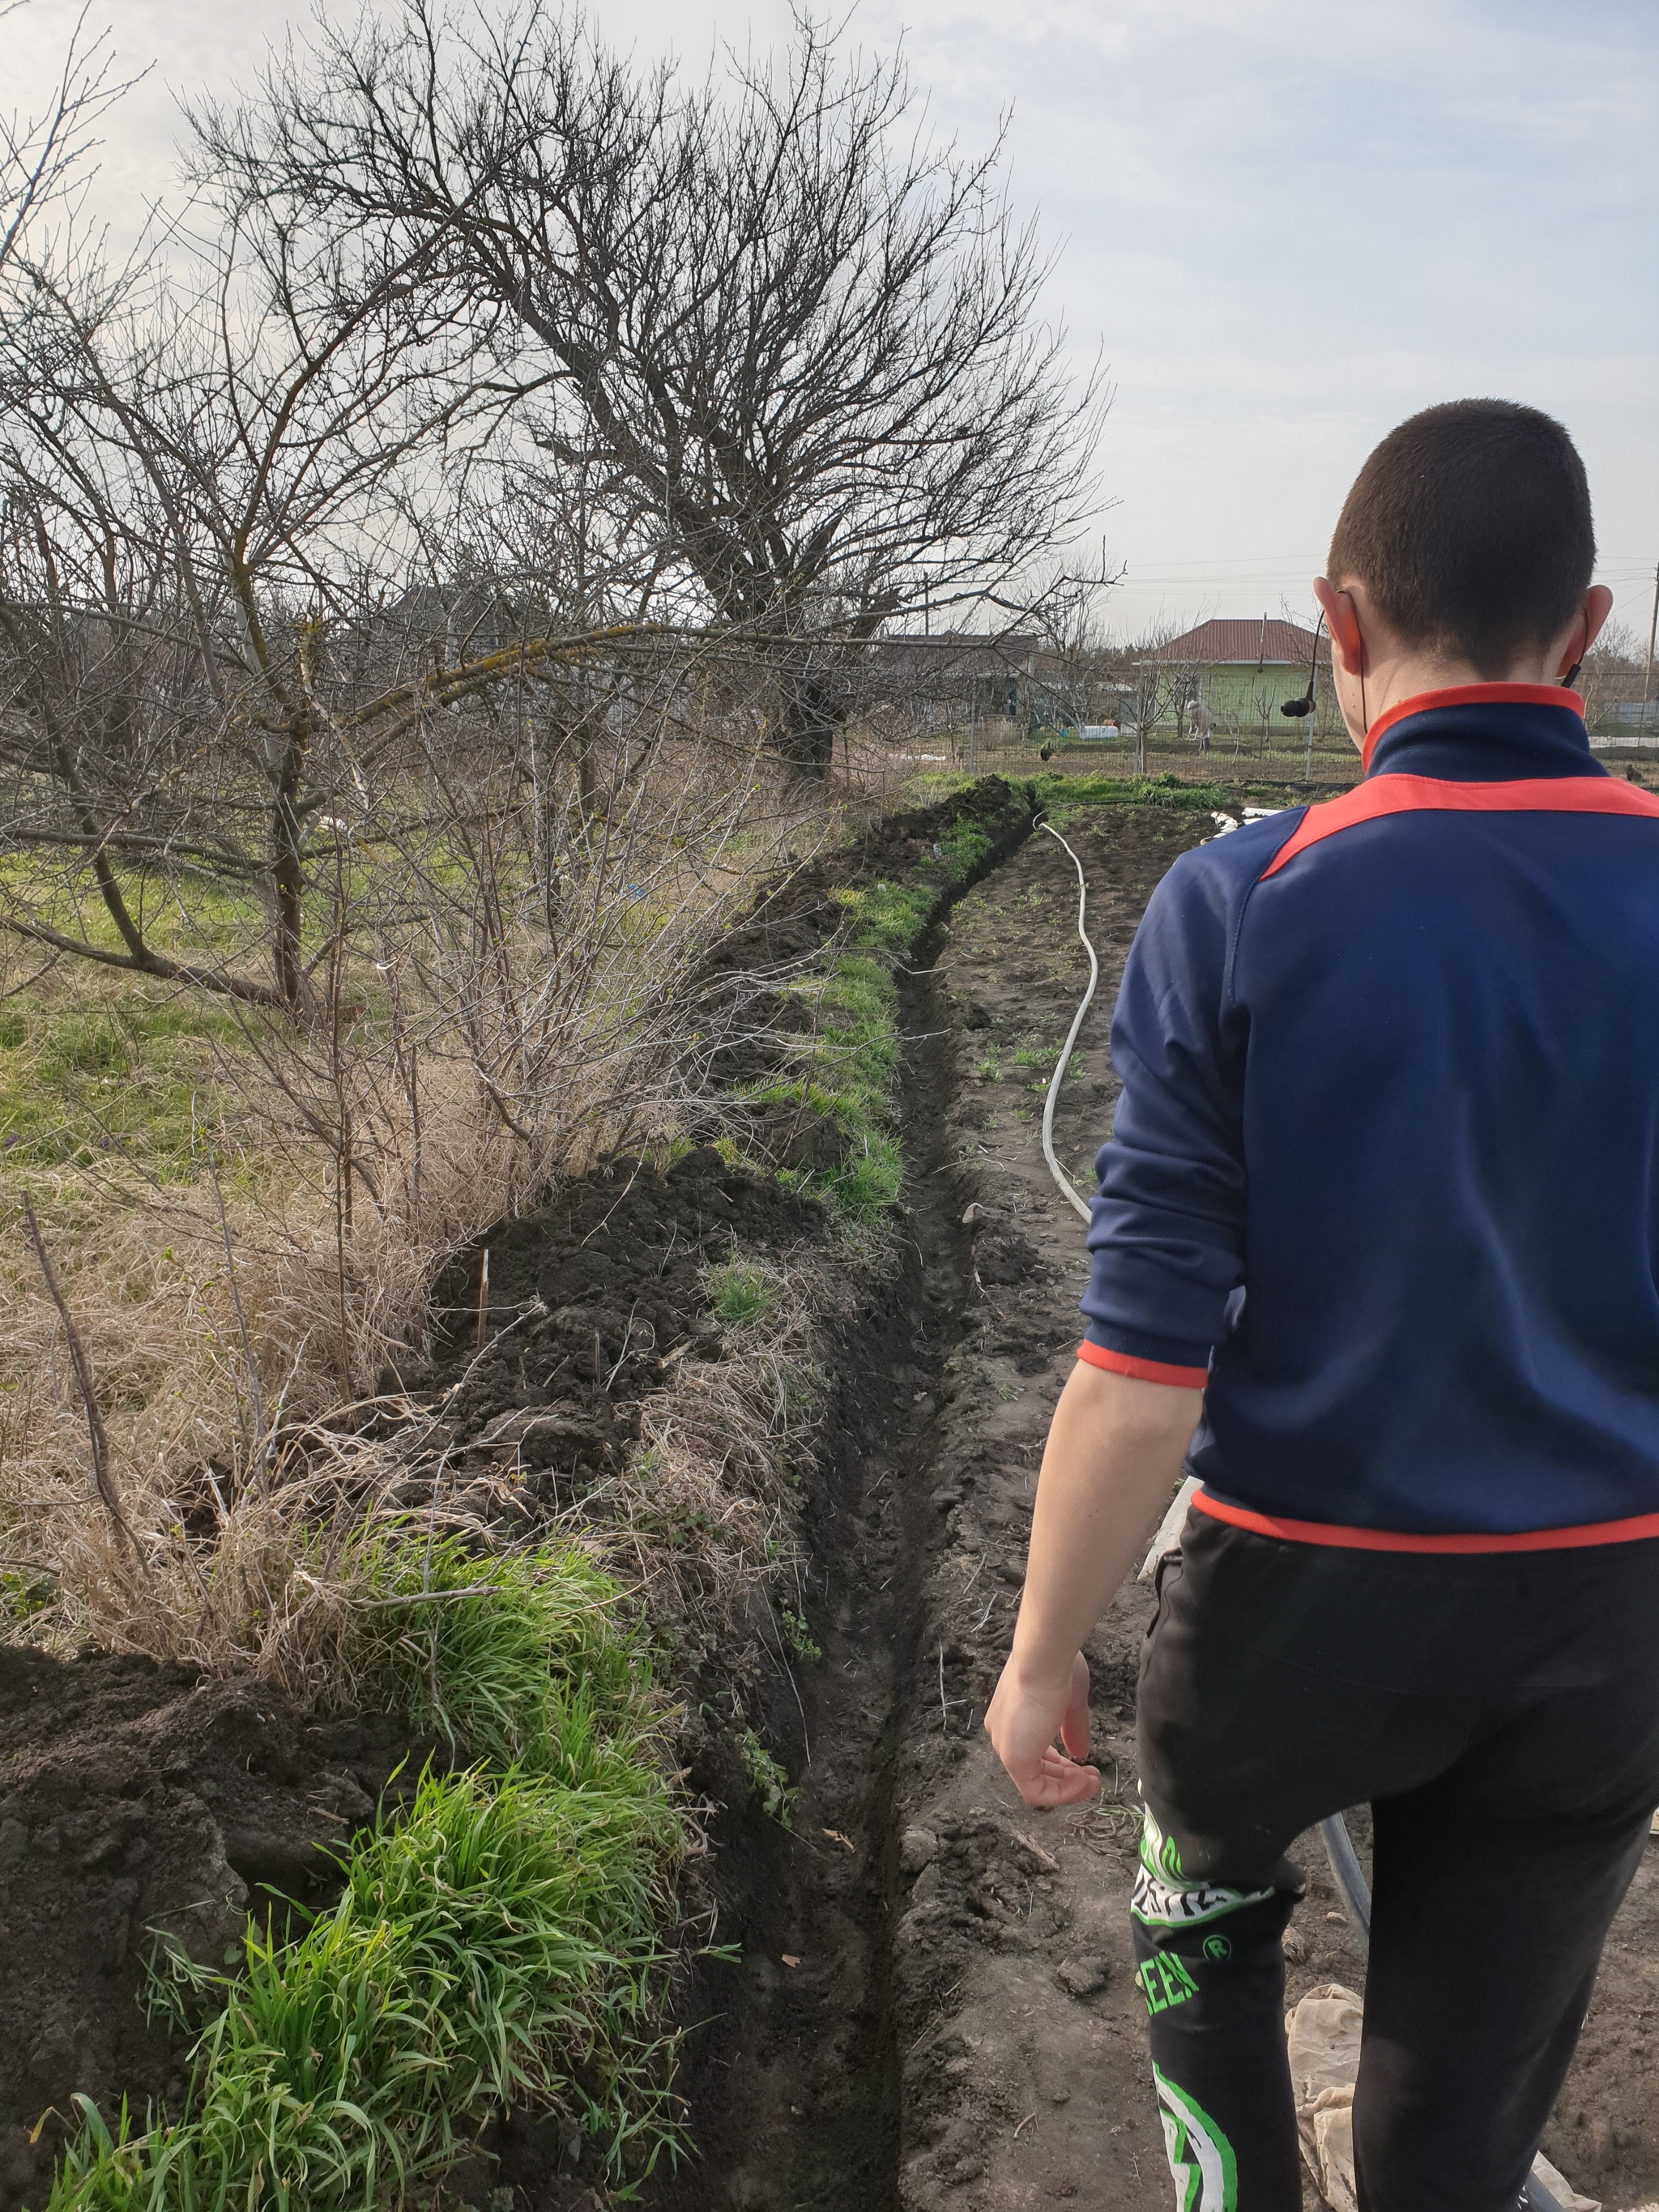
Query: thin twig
pixel 261 1452
pixel 96 1439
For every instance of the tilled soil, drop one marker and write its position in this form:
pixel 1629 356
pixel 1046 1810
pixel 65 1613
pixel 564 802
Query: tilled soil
pixel 919 1995
pixel 933 2006
pixel 137 1802
pixel 130 1801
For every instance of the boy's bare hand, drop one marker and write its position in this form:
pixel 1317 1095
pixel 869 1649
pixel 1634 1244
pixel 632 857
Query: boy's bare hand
pixel 1022 1720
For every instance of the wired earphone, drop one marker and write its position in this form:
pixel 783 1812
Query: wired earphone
pixel 1298 708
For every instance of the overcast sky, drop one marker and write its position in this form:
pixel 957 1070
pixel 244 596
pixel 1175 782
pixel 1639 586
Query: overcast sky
pixel 1284 225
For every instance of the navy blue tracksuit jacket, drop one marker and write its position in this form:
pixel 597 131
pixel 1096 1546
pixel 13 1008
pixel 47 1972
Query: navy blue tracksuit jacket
pixel 1384 1176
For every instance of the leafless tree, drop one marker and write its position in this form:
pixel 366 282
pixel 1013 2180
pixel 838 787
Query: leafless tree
pixel 1182 682
pixel 1149 676
pixel 1613 671
pixel 197 469
pixel 45 159
pixel 793 349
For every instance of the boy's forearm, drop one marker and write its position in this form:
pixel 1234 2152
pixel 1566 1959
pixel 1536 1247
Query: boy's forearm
pixel 1115 1451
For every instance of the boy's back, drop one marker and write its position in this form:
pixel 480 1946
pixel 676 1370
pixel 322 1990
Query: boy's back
pixel 1402 1054
pixel 1378 1237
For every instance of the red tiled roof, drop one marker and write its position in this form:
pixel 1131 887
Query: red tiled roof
pixel 1255 639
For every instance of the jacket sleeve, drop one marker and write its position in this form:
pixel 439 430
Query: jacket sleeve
pixel 1167 1237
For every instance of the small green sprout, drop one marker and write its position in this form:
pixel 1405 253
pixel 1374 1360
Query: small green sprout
pixel 738 1293
pixel 768 1780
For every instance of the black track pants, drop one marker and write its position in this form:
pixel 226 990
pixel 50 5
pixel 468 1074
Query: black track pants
pixel 1500 1712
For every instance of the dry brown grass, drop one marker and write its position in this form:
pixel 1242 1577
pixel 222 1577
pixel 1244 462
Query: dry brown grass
pixel 460 1052
pixel 704 1518
pixel 266 1579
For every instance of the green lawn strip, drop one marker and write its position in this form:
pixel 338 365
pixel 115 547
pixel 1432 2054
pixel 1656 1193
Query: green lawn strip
pixel 854 1056
pixel 500 1942
pixel 1062 798
pixel 125 1071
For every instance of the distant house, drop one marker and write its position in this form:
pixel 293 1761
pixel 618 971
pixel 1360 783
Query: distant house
pixel 956 679
pixel 1241 670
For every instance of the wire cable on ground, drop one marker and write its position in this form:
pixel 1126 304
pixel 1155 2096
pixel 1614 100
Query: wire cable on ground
pixel 1067 1189
pixel 1169 1528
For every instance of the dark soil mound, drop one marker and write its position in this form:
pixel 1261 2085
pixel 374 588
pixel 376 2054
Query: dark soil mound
pixel 134 1804
pixel 137 1803
pixel 795 916
pixel 560 1323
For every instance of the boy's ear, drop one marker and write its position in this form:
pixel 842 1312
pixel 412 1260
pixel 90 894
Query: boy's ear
pixel 1342 620
pixel 1598 605
pixel 1587 627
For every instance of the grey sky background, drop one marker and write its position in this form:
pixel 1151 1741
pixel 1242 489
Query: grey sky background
pixel 1283 226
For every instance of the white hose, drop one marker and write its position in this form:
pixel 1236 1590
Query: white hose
pixel 1169 1526
pixel 1068 1189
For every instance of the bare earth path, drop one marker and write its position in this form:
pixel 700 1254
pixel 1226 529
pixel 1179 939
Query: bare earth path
pixel 1025 2067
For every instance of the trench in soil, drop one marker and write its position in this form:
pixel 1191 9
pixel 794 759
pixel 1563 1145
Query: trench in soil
pixel 926 2000
pixel 919 1996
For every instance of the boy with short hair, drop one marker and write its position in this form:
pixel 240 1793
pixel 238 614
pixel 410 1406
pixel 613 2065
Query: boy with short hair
pixel 1377 1252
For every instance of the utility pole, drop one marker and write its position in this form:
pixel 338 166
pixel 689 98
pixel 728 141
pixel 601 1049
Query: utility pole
pixel 1647 674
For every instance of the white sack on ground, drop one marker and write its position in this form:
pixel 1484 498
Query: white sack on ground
pixel 1565 2195
pixel 1322 2036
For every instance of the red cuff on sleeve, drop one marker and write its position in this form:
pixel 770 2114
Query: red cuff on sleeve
pixel 1143 1370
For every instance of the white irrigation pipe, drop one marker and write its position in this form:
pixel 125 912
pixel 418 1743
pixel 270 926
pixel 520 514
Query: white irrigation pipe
pixel 1068 1190
pixel 1338 1845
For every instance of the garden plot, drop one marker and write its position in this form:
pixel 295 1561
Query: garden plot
pixel 397 1928
pixel 763 1418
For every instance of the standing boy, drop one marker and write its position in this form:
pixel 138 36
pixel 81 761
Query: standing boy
pixel 1376 1250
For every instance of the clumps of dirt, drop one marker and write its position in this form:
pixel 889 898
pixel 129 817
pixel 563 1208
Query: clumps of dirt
pixel 136 1806
pixel 792 920
pixel 799 913
pixel 559 1324
pixel 139 1805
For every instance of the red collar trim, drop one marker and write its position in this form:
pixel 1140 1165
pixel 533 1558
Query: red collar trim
pixel 1469 694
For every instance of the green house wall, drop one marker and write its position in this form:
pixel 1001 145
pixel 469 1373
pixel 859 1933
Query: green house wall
pixel 1242 696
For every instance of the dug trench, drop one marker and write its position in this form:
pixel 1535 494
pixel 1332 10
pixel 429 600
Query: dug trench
pixel 922 1996
pixel 139 1802
pixel 916 1994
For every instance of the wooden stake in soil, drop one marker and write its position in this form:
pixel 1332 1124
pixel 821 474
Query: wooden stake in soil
pixel 98 1443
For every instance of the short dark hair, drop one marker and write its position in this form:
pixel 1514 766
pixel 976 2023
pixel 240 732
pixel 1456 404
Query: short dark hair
pixel 1470 525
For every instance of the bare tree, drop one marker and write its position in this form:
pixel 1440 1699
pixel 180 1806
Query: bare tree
pixel 43 159
pixel 196 471
pixel 1612 673
pixel 794 348
pixel 1150 678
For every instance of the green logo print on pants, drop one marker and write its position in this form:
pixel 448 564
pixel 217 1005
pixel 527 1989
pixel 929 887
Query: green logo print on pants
pixel 1201 2156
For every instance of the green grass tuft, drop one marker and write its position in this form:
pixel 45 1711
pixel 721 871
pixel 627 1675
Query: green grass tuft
pixel 499 1945
pixel 524 1665
pixel 739 1294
